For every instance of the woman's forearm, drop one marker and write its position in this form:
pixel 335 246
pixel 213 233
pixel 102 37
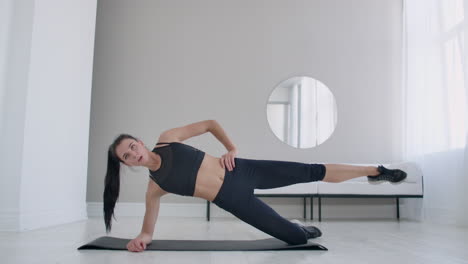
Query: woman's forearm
pixel 221 135
pixel 151 215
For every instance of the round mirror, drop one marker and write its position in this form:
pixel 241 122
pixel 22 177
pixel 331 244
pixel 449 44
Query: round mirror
pixel 301 112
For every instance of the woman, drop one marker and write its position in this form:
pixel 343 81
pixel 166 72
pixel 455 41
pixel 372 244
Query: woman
pixel 227 181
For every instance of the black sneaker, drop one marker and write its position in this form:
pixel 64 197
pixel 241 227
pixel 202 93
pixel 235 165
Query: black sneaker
pixel 311 231
pixel 395 175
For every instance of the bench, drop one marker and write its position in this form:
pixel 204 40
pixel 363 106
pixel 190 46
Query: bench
pixel 411 187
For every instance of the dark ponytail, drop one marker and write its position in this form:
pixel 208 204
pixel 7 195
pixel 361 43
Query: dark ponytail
pixel 112 181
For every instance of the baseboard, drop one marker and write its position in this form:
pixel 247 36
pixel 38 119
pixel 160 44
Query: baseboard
pixel 9 220
pixel 14 220
pixel 417 210
pixel 380 211
pixel 95 209
pixel 443 216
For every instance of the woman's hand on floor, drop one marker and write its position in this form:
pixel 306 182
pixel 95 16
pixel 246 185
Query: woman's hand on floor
pixel 138 244
pixel 227 160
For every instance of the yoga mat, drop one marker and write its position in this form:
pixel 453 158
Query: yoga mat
pixel 114 243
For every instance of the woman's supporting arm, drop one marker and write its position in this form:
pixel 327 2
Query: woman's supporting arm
pixel 153 196
pixel 151 215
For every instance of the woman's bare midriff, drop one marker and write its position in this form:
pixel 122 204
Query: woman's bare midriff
pixel 210 177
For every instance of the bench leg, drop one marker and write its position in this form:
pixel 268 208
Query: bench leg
pixel 311 208
pixel 398 208
pixel 320 209
pixel 304 202
pixel 207 210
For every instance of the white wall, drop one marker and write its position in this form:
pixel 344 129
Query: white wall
pixel 47 97
pixel 6 11
pixel 16 48
pixel 162 64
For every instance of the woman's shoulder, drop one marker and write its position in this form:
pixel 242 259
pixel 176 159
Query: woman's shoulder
pixel 165 141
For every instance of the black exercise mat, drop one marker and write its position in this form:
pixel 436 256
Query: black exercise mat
pixel 114 243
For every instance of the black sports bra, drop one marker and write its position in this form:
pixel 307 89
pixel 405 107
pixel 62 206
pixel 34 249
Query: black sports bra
pixel 179 168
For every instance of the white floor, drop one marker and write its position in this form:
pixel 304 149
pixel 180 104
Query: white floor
pixel 357 241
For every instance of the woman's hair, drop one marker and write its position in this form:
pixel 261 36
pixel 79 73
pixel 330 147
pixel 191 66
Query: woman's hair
pixel 112 181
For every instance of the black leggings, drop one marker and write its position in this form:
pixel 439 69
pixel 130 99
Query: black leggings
pixel 237 194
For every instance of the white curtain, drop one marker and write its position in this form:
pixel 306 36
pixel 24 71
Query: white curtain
pixel 435 111
pixel 318 113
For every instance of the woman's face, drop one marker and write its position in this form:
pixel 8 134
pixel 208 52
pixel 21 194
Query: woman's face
pixel 132 152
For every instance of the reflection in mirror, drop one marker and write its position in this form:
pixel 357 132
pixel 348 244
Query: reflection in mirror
pixel 301 112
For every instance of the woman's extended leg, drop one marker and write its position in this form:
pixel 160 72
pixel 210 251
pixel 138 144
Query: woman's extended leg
pixel 267 174
pixel 341 172
pixel 275 173
pixel 261 216
pixel 237 197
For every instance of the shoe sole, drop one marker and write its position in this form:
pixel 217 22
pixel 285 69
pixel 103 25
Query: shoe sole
pixel 382 181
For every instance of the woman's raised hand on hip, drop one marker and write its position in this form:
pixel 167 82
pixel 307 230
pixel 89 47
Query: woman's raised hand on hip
pixel 227 160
